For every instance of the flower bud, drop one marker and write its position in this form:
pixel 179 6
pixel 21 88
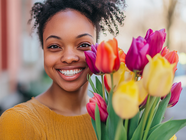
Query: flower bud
pixel 175 94
pixel 102 106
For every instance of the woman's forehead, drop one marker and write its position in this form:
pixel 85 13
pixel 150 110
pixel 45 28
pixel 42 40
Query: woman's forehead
pixel 68 22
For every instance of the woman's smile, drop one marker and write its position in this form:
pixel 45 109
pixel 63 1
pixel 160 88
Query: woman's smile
pixel 71 73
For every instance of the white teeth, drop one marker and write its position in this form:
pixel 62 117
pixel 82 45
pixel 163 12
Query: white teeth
pixel 70 72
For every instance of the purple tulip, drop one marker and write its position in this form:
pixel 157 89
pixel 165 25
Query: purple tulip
pixel 136 56
pixel 90 57
pixel 175 94
pixel 102 106
pixel 155 40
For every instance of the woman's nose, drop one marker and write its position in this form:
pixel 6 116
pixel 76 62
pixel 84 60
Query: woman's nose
pixel 69 56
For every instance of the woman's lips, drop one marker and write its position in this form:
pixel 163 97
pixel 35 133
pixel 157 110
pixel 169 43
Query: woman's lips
pixel 70 74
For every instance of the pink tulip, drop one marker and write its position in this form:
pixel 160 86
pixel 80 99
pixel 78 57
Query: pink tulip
pixel 90 57
pixel 102 106
pixel 136 56
pixel 175 94
pixel 155 40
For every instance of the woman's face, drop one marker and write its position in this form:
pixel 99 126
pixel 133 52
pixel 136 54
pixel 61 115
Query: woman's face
pixel 65 38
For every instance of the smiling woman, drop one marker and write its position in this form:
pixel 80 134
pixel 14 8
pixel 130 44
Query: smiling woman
pixel 66 30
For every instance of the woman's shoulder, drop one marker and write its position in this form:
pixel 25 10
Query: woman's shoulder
pixel 30 110
pixel 19 122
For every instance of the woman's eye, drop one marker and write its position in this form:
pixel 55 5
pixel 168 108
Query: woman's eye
pixel 85 45
pixel 53 47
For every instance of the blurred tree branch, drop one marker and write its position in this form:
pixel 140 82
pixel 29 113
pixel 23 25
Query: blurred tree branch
pixel 169 10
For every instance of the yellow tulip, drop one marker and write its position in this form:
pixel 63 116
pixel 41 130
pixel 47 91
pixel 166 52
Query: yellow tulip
pixel 142 91
pixel 125 100
pixel 158 76
pixel 123 74
pixel 173 138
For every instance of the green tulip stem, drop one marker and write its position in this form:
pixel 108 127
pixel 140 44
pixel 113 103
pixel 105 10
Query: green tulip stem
pixel 149 104
pixel 103 88
pixel 152 112
pixel 126 125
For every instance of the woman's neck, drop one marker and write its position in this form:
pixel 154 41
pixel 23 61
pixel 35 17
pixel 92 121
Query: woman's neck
pixel 63 102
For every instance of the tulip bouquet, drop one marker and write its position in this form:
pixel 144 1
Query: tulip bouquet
pixel 130 101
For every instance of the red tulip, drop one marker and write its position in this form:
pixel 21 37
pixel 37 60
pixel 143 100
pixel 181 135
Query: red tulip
pixel 175 94
pixel 107 58
pixel 164 51
pixel 171 56
pixel 102 106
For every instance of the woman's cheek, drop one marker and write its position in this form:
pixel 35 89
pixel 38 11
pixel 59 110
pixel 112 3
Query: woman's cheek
pixel 49 63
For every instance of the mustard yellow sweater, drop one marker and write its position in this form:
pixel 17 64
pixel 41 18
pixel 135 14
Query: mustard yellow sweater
pixel 34 121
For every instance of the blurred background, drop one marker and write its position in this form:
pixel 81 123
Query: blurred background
pixel 22 74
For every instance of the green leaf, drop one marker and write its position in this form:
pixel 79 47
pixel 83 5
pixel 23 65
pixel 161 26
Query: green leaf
pixel 140 128
pixel 106 98
pixel 112 119
pixel 104 135
pixel 92 84
pixel 98 122
pixel 120 132
pixel 166 130
pixel 99 86
pixel 94 125
pixel 161 110
pixel 133 124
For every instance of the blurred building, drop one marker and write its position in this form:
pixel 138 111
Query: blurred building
pixel 20 51
pixel 10 20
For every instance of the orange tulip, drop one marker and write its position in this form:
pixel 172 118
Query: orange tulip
pixel 108 59
pixel 122 55
pixel 171 56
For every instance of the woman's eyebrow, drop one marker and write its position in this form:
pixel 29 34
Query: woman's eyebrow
pixel 53 36
pixel 85 34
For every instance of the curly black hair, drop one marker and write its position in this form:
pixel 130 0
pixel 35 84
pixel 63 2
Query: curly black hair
pixel 104 14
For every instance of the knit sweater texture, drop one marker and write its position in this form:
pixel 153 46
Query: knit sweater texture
pixel 34 121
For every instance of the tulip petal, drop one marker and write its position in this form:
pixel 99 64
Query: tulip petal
pixel 175 94
pixel 91 110
pixel 172 57
pixel 158 76
pixel 149 32
pixel 107 86
pixel 105 58
pixel 125 100
pixel 131 56
pixel 102 106
pixel 90 59
pixel 122 55
pixel 142 92
pixel 164 51
pixel 155 40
